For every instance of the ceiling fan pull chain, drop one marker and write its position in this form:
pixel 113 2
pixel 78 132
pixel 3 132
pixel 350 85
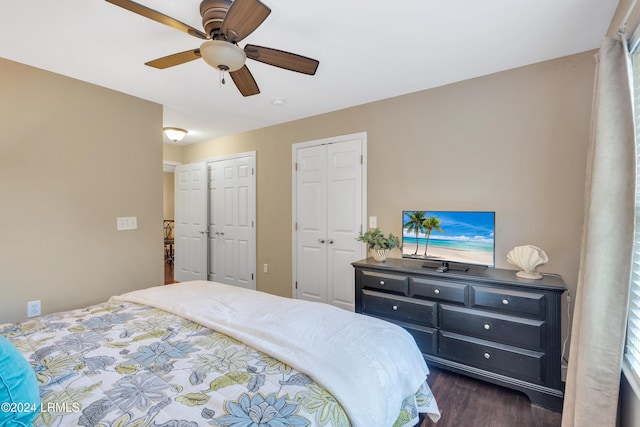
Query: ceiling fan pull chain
pixel 222 69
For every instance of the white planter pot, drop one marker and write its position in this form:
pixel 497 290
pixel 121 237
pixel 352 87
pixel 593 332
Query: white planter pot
pixel 380 255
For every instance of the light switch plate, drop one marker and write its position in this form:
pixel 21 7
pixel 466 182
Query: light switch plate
pixel 373 221
pixel 127 223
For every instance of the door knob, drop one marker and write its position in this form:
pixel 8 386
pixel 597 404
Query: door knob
pixel 321 240
pixel 331 241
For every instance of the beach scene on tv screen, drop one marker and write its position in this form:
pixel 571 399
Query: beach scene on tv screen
pixel 464 237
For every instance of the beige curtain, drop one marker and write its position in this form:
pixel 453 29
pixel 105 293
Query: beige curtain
pixel 599 321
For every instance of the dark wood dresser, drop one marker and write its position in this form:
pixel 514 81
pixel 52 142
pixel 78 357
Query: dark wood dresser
pixel 485 322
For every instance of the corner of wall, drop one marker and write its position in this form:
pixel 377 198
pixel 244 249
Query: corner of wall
pixel 172 153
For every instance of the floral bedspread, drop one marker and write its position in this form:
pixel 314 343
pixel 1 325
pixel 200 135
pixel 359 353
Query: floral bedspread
pixel 130 365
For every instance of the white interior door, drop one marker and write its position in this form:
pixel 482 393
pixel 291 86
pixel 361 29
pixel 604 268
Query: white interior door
pixel 311 217
pixel 232 216
pixel 344 219
pixel 190 193
pixel 329 200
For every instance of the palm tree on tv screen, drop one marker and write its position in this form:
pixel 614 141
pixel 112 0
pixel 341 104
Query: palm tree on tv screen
pixel 430 224
pixel 415 225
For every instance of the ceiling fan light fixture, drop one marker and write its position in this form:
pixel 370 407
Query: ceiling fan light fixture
pixel 175 134
pixel 222 55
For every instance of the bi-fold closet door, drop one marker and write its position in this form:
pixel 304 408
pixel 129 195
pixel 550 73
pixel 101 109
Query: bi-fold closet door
pixel 328 208
pixel 215 221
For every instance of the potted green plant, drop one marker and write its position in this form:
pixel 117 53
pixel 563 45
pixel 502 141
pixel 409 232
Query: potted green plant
pixel 378 244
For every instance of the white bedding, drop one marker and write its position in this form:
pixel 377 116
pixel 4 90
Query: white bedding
pixel 369 365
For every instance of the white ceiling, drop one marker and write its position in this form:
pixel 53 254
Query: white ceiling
pixel 368 50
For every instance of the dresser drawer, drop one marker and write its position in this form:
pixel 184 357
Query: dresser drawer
pixel 399 308
pixel 438 289
pixel 528 303
pixel 501 359
pixel 388 282
pixel 426 338
pixel 517 331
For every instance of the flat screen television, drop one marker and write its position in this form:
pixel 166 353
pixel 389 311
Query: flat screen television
pixel 449 239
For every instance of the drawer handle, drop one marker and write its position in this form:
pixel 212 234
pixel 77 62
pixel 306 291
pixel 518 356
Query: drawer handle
pixel 395 307
pixel 382 282
pixel 487 356
pixel 505 301
pixel 487 326
pixel 437 291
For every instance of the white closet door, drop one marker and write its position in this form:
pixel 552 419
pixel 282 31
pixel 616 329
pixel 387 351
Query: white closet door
pixel 216 206
pixel 328 210
pixel 190 189
pixel 311 215
pixel 344 217
pixel 232 221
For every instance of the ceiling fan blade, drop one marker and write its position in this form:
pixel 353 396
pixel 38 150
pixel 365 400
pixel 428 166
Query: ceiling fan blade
pixel 175 59
pixel 242 18
pixel 245 81
pixel 279 58
pixel 158 17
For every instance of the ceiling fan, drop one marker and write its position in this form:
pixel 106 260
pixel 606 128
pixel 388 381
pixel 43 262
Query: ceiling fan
pixel 225 23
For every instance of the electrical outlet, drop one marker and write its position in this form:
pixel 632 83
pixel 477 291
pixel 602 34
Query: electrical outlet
pixel 265 268
pixel 33 308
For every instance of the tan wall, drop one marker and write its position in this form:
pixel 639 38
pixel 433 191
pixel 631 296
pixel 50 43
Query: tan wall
pixel 171 153
pixel 167 186
pixel 514 142
pixel 73 157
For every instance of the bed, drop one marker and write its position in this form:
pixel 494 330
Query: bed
pixel 207 354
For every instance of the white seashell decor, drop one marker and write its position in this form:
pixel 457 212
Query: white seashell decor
pixel 528 258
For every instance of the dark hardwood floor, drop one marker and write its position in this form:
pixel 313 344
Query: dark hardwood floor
pixel 168 273
pixel 466 402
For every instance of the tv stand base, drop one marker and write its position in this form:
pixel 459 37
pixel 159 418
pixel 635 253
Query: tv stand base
pixel 446 266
